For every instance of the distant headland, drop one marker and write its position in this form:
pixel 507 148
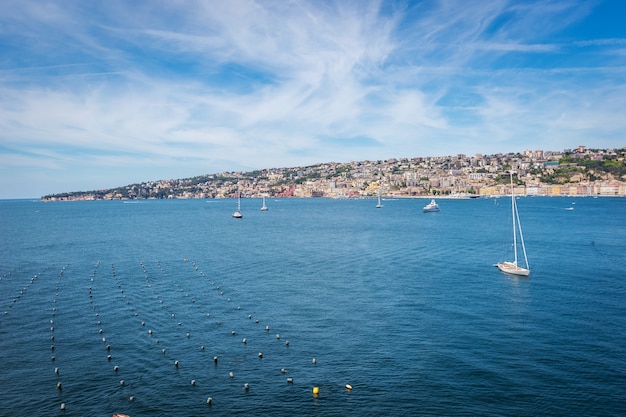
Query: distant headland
pixel 571 172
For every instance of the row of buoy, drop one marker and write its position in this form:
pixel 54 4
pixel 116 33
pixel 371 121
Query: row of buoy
pixel 53 311
pixel 102 331
pixel 99 323
pixel 176 363
pixel 22 292
pixel 244 340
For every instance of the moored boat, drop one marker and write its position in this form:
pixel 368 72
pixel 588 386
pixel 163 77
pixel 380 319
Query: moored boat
pixel 512 267
pixel 237 214
pixel 431 207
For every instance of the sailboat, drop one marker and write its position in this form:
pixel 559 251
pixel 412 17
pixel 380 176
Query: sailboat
pixel 379 205
pixel 512 267
pixel 237 214
pixel 263 207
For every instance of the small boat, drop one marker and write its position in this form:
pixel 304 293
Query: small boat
pixel 263 207
pixel 512 267
pixel 237 214
pixel 379 205
pixel 431 207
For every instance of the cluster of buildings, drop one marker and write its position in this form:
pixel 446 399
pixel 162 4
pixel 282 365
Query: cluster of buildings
pixel 577 172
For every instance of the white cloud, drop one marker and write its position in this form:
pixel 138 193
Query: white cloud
pixel 208 86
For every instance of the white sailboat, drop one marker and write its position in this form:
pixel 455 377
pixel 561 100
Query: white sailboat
pixel 237 214
pixel 512 267
pixel 379 205
pixel 263 207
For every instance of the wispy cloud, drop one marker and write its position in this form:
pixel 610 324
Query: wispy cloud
pixel 132 91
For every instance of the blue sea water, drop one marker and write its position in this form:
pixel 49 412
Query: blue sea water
pixel 404 306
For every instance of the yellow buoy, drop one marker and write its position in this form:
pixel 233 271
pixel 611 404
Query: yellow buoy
pixel 348 387
pixel 316 391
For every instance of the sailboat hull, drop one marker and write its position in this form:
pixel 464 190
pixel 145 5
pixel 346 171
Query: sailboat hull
pixel 513 269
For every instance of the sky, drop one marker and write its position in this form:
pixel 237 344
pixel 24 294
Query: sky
pixel 101 94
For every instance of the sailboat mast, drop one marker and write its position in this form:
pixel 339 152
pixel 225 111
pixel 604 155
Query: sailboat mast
pixel 521 237
pixel 513 212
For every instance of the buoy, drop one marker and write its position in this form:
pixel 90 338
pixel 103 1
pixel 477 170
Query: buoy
pixel 244 341
pixel 188 335
pixel 56 371
pixel 214 359
pixel 149 331
pixel 131 398
pixel 163 350
pixel 287 343
pixel 290 380
pixel 348 387
pixel 62 406
pixel 209 401
pixel 260 355
pixel 267 328
pixel 277 336
pixel 109 357
pixel 59 386
pixel 231 375
pixel 176 364
pixel 314 361
pixel 316 391
pixel 283 371
pixel 122 383
pixel 193 382
pixel 116 368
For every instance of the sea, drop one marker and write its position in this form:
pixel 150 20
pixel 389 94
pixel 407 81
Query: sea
pixel 316 307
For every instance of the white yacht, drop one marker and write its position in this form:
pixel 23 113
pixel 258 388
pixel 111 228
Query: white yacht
pixel 431 207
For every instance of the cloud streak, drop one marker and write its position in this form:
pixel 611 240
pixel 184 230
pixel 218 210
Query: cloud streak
pixel 132 91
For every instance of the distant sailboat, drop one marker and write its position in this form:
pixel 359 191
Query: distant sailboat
pixel 263 207
pixel 512 267
pixel 379 205
pixel 237 214
pixel 431 207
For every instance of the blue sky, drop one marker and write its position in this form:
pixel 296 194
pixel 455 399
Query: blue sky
pixel 99 94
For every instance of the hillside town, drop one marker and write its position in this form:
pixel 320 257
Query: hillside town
pixel 571 172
